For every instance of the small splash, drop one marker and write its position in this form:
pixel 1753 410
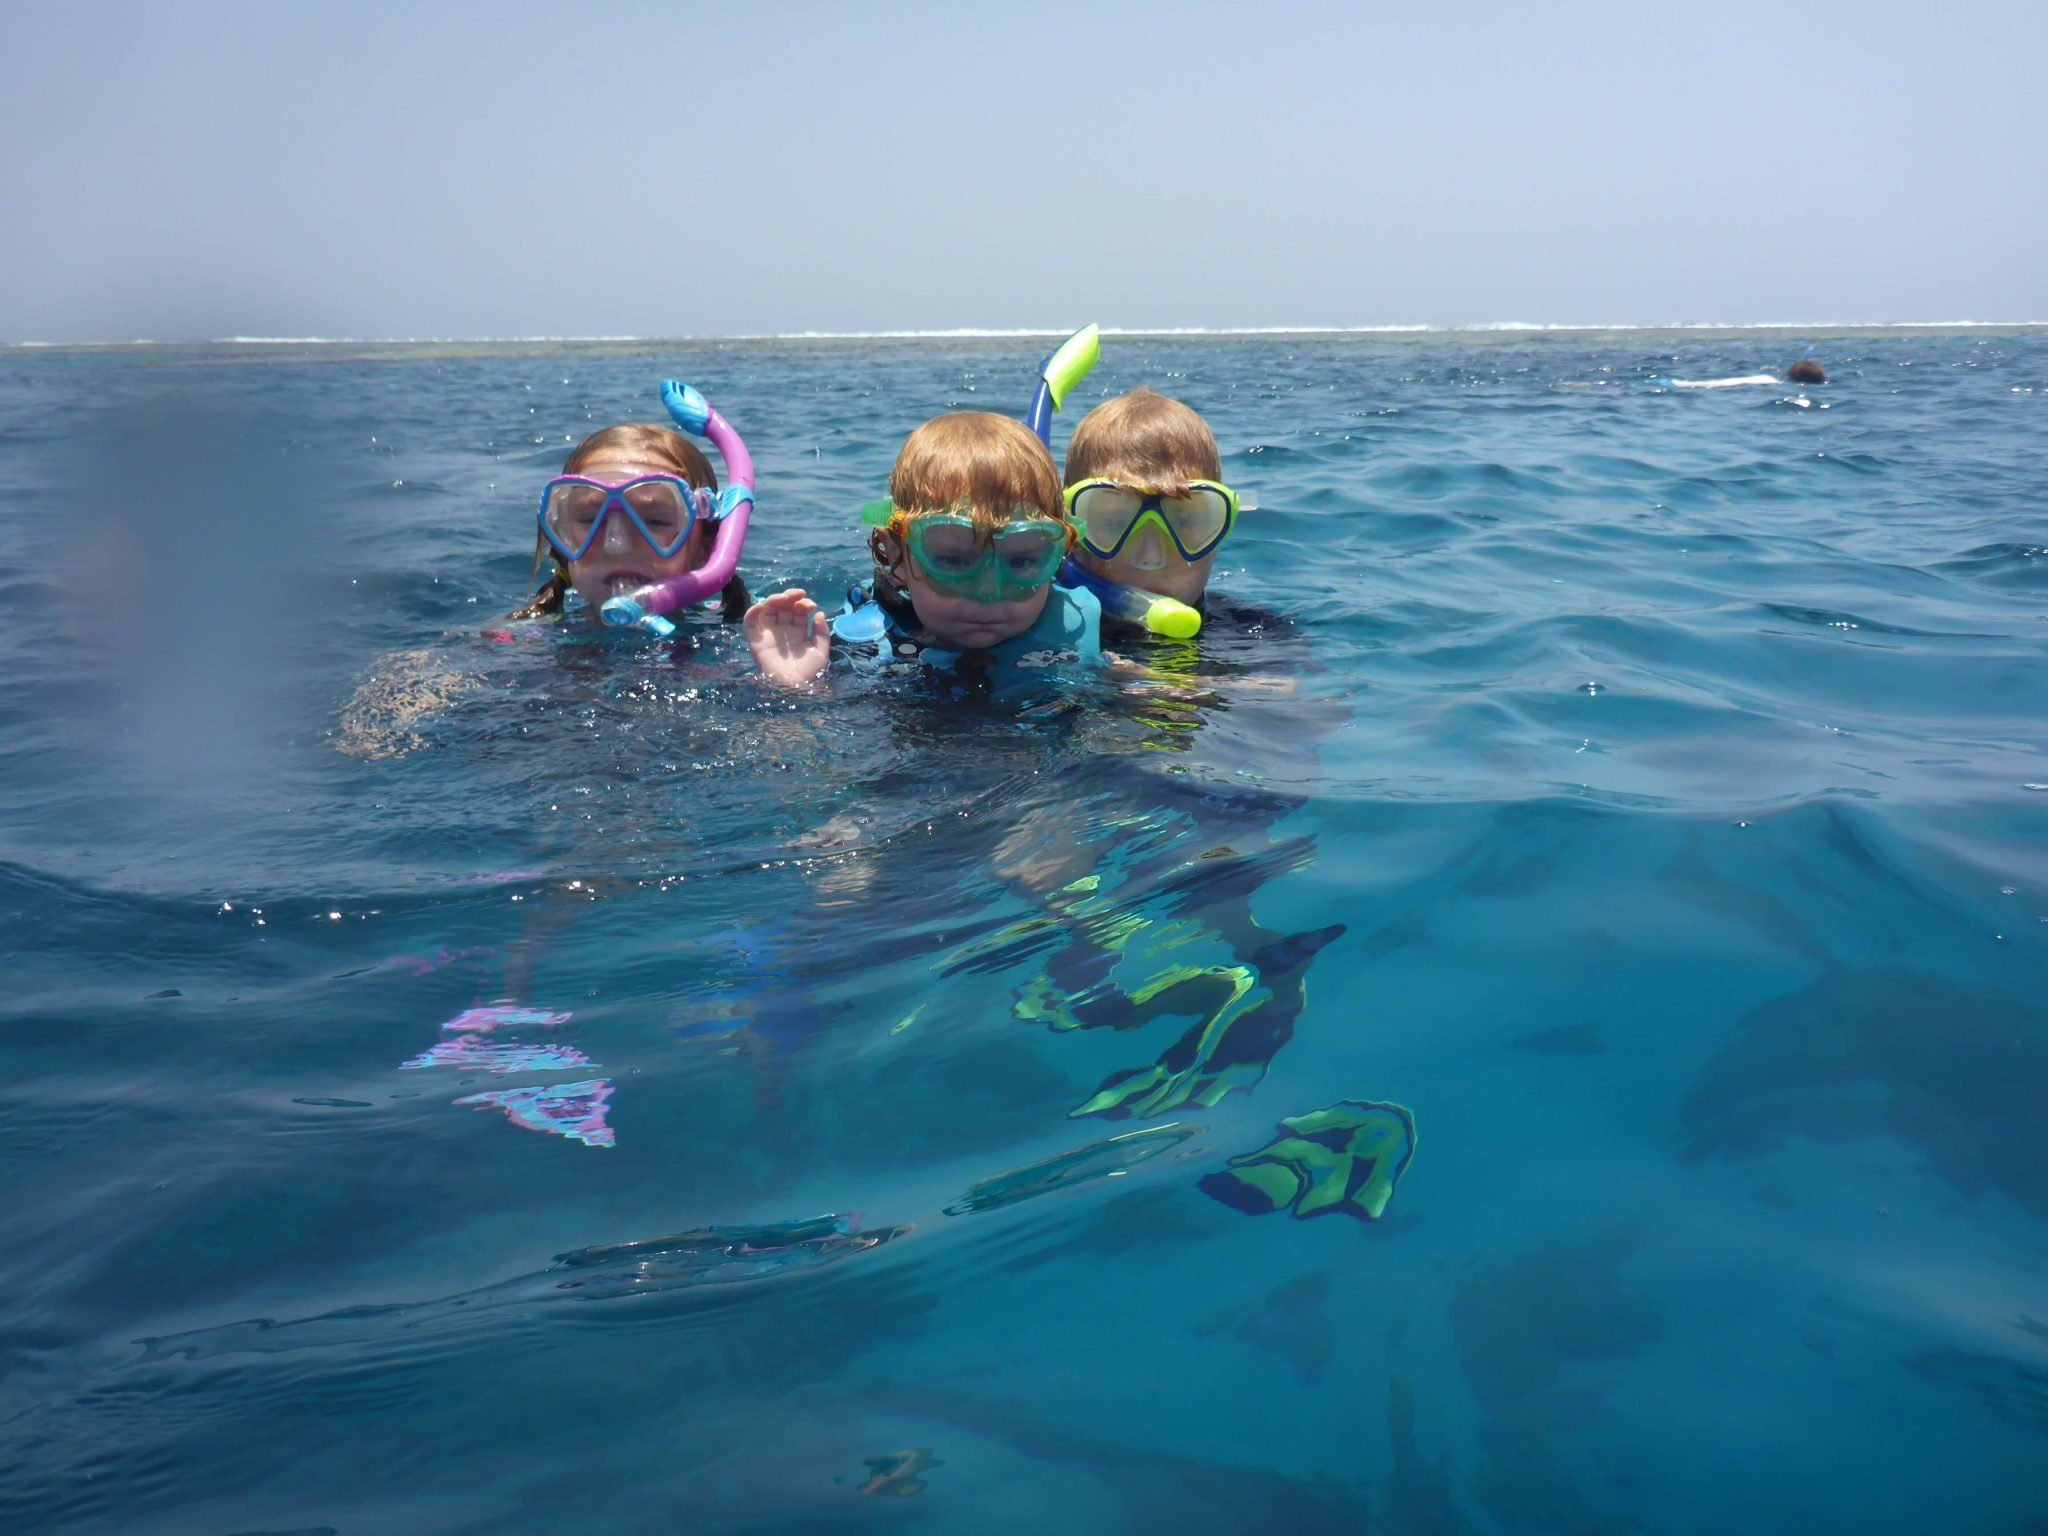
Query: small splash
pixel 719 1255
pixel 686 1261
pixel 1590 687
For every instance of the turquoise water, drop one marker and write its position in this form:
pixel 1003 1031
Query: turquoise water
pixel 450 1082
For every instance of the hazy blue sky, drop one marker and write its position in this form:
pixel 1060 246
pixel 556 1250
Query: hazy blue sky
pixel 381 170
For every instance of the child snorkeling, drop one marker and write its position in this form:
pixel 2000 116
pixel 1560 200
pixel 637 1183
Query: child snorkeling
pixel 1142 470
pixel 965 551
pixel 636 526
pixel 1145 493
pixel 631 521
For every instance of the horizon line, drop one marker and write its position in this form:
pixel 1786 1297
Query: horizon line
pixel 974 333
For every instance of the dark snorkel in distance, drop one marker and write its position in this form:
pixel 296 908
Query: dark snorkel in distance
pixel 645 608
pixel 1064 367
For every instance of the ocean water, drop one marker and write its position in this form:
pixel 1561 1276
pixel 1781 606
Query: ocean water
pixel 455 1078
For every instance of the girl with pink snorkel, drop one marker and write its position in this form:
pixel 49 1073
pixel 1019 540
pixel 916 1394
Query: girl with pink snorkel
pixel 638 526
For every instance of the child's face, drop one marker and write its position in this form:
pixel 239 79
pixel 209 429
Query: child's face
pixel 962 620
pixel 620 560
pixel 1127 518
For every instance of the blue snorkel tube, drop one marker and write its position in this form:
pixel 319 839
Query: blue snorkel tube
pixel 1064 367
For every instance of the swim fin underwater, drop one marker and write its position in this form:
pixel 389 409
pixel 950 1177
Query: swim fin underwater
pixel 1249 1009
pixel 1342 1160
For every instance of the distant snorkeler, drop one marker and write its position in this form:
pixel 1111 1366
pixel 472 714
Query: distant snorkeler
pixel 1805 371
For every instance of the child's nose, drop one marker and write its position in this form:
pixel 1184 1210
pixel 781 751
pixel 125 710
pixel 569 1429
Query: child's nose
pixel 618 537
pixel 1150 552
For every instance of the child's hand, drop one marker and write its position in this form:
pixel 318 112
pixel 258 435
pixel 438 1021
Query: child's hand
pixel 791 640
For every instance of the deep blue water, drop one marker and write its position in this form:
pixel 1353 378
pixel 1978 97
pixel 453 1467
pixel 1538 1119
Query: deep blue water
pixel 1645 790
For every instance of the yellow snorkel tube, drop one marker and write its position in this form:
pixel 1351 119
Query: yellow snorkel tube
pixel 1064 367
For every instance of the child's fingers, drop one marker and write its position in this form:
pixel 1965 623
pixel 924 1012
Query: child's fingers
pixel 790 636
pixel 781 609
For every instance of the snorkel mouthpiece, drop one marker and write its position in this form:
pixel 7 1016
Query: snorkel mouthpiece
pixel 630 612
pixel 644 609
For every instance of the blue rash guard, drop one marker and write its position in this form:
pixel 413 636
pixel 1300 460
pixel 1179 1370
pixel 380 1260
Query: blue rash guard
pixel 1068 629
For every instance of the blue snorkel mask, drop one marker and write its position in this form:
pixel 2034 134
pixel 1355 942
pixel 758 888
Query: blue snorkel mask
pixel 663 509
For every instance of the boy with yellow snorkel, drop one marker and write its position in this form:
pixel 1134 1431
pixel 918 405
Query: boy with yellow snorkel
pixel 1145 493
pixel 1146 496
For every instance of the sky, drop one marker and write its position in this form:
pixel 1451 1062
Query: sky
pixel 377 170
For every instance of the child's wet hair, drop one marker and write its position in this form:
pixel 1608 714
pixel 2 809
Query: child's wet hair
pixel 656 445
pixel 644 440
pixel 1144 439
pixel 978 462
pixel 988 466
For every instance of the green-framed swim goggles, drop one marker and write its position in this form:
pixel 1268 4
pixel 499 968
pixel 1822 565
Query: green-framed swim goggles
pixel 963 557
pixel 1106 513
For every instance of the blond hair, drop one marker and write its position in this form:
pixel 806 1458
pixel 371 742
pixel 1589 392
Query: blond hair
pixel 1144 439
pixel 976 461
pixel 642 440
pixel 987 466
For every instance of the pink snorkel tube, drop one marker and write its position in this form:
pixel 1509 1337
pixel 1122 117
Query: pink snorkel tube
pixel 644 609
